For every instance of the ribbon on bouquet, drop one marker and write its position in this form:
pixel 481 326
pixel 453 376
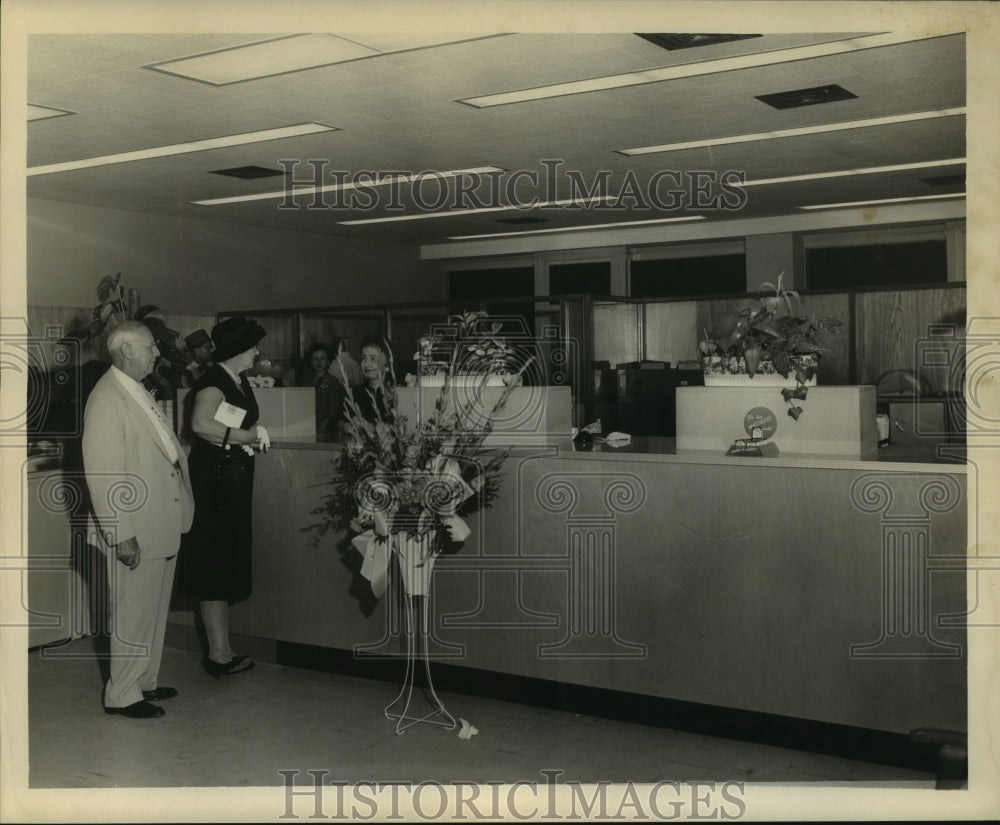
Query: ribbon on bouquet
pixel 373 545
pixel 447 490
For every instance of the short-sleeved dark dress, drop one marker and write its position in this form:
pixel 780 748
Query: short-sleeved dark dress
pixel 218 562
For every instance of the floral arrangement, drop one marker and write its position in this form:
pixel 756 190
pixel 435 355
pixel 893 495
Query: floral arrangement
pixel 469 344
pixel 404 487
pixel 771 336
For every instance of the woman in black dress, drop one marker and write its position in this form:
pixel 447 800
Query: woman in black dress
pixel 218 564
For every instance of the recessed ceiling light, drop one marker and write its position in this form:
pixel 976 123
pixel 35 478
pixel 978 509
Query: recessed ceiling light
pixel 296 190
pixel 670 42
pixel 783 133
pixel 522 221
pixel 945 180
pixel 883 200
pixel 184 148
pixel 575 228
pixel 294 53
pixel 797 98
pixel 704 67
pixel 845 173
pixel 36 112
pixel 248 172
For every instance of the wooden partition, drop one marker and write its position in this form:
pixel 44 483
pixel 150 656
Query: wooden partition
pixel 895 329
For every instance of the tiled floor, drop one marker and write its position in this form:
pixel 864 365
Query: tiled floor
pixel 243 730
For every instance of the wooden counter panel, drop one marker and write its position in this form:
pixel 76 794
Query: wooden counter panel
pixel 738 586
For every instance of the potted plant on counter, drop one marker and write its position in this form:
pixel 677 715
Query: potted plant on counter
pixel 771 342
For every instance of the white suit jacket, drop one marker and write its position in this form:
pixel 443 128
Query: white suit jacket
pixel 136 491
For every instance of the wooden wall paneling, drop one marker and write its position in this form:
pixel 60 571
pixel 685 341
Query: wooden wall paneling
pixel 48 323
pixel 835 363
pixel 279 344
pixel 186 323
pixel 671 331
pixel 715 315
pixel 891 326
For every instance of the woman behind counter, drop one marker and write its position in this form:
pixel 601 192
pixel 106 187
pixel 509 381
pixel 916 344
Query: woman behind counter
pixel 330 393
pixel 218 569
pixel 376 361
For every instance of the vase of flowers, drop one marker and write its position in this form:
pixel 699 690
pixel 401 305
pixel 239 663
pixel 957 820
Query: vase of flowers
pixel 415 553
pixel 403 488
pixel 771 342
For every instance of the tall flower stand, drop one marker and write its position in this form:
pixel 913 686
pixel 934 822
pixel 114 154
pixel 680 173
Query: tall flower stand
pixel 415 560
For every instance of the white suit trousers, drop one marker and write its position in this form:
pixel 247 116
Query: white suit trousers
pixel 140 601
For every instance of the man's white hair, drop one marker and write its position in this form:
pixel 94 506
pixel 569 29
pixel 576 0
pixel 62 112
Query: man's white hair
pixel 125 332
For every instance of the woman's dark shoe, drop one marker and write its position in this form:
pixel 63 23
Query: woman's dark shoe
pixel 237 664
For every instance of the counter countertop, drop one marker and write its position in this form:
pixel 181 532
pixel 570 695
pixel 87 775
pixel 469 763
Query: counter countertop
pixel 946 458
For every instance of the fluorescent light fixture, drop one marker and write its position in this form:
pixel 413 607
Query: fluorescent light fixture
pixel 461 213
pixel 884 200
pixel 264 59
pixel 184 148
pixel 294 53
pixel 575 228
pixel 798 132
pixel 296 190
pixel 703 67
pixel 845 173
pixel 36 112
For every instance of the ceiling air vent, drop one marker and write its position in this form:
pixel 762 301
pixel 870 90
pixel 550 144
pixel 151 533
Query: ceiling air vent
pixel 690 41
pixel 521 221
pixel 945 180
pixel 248 172
pixel 806 97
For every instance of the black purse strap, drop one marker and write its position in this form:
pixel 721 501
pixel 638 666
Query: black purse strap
pixel 225 440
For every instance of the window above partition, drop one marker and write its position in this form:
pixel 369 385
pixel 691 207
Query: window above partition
pixel 908 256
pixel 688 270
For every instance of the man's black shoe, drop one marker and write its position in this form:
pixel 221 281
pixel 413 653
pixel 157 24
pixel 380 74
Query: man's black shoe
pixel 159 694
pixel 138 710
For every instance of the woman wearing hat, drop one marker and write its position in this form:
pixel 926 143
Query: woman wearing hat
pixel 221 421
pixel 199 345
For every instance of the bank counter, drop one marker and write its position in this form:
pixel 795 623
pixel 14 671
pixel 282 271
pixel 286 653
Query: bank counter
pixel 819 586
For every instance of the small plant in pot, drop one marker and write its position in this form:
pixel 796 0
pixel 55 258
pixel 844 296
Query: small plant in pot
pixel 771 337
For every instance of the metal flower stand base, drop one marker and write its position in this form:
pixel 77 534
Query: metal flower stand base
pixel 414 555
pixel 417 630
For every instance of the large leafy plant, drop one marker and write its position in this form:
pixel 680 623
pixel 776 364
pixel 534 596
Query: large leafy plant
pixel 114 306
pixel 773 329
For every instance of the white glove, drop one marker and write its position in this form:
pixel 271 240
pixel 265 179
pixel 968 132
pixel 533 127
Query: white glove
pixel 263 442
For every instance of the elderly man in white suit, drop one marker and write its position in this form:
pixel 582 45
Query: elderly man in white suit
pixel 141 497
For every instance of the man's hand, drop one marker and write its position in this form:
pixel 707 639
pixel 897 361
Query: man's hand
pixel 128 553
